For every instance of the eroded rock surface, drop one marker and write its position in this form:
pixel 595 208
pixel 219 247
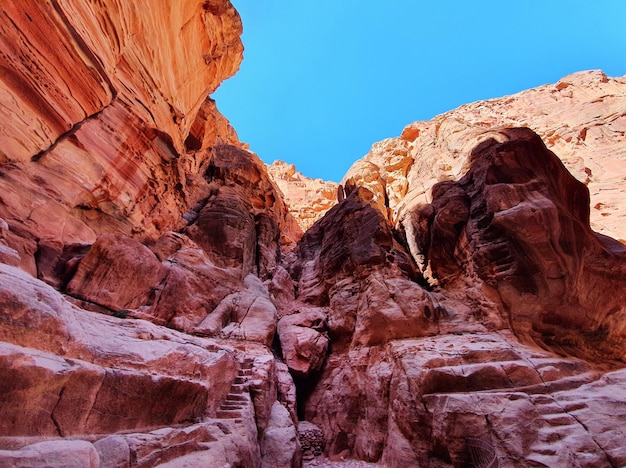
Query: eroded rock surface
pixel 308 199
pixel 469 363
pixel 103 132
pixel 166 299
pixel 115 166
pixel 580 118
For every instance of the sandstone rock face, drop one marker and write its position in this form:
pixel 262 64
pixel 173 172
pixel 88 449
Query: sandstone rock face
pixel 202 280
pixel 308 199
pixel 499 278
pixel 76 453
pixel 168 300
pixel 115 170
pixel 303 341
pixel 240 221
pixel 101 131
pixel 282 447
pixel 518 221
pixel 70 366
pixel 580 118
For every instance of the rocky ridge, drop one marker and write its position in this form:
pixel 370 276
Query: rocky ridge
pixel 580 118
pixel 167 300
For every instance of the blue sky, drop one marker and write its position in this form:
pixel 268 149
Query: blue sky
pixel 323 80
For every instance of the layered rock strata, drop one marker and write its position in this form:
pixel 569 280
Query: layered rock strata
pixel 124 188
pixel 106 119
pixel 167 300
pixel 308 199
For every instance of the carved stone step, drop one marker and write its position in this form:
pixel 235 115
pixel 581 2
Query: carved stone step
pixel 228 414
pixel 237 389
pixel 231 406
pixel 236 397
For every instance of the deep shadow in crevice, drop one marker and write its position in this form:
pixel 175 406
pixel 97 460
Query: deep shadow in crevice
pixel 304 389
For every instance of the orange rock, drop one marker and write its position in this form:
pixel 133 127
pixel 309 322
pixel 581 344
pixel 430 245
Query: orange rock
pixel 429 307
pixel 104 132
pixel 515 276
pixel 307 199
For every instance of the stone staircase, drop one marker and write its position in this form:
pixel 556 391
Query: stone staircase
pixel 562 430
pixel 229 427
pixel 237 397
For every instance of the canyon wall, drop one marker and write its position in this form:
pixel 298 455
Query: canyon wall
pixel 129 211
pixel 580 118
pixel 166 299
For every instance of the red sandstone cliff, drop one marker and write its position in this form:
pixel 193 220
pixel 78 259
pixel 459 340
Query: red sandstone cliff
pixel 166 299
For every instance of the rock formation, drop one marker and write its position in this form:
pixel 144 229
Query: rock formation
pixel 508 329
pixel 124 188
pixel 308 199
pixel 166 299
pixel 103 131
pixel 581 118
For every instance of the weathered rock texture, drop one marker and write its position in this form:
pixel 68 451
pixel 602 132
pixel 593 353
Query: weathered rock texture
pixel 168 300
pixel 432 373
pixel 581 118
pixel 123 187
pixel 106 119
pixel 308 199
pixel 465 326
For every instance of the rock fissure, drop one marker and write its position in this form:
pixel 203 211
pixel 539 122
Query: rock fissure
pixel 54 419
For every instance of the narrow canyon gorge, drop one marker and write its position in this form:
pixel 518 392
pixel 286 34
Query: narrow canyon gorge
pixel 167 299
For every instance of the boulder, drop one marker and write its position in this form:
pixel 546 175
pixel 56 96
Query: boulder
pixel 70 365
pixel 247 314
pixel 118 273
pixel 281 446
pixel 304 341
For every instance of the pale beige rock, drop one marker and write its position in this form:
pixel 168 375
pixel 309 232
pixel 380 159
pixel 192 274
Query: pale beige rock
pixel 281 446
pixel 53 454
pixel 581 118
